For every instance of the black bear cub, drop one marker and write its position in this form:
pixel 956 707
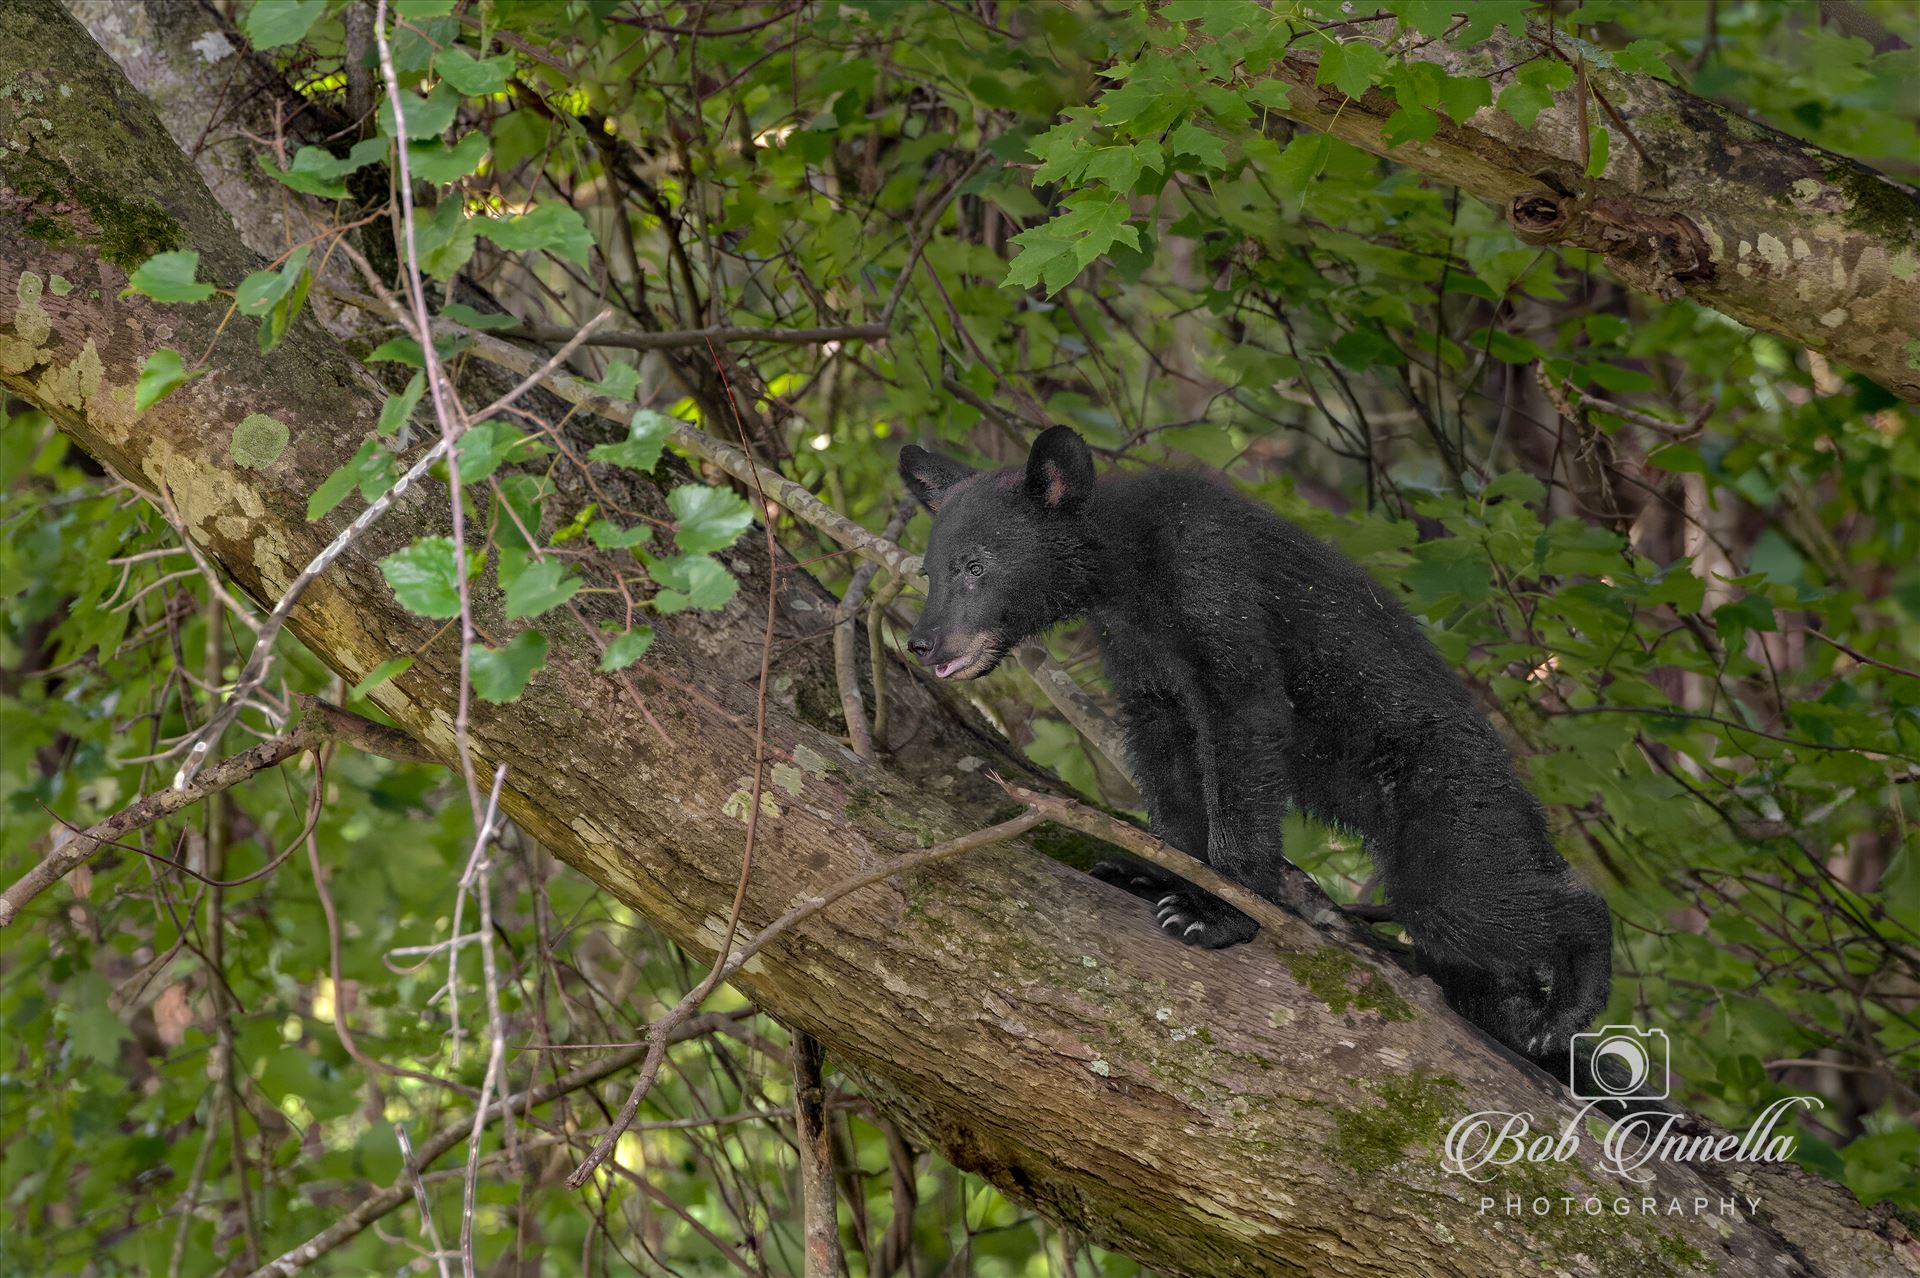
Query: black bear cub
pixel 1256 667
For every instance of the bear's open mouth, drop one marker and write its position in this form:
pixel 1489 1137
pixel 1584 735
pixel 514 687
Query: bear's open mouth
pixel 981 656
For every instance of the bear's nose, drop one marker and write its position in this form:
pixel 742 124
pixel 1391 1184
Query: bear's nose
pixel 921 648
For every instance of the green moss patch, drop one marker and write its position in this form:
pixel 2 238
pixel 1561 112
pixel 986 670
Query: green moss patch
pixel 1414 1110
pixel 1874 204
pixel 125 231
pixel 1328 974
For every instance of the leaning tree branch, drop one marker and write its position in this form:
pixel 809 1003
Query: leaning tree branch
pixel 1276 1108
pixel 1695 201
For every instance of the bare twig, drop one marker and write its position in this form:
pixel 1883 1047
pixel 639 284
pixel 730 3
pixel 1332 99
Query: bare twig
pixel 806 907
pixel 728 457
pixel 447 411
pixel 360 732
pixel 582 335
pixel 654 1057
pixel 477 879
pixel 377 1205
pixel 76 850
pixel 820 1219
pixel 1302 896
pixel 877 657
pixel 428 1229
pixel 846 664
pixel 1851 651
pixel 722 334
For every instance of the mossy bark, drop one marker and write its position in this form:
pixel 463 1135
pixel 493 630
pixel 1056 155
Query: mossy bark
pixel 1781 235
pixel 1212 1113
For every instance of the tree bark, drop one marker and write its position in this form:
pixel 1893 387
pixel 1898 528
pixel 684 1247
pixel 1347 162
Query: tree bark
pixel 1781 235
pixel 1271 1109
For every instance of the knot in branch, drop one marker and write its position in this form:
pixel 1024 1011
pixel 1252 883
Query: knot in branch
pixel 1649 248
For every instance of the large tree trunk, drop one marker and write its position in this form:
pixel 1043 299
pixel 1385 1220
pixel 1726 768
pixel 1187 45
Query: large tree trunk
pixel 1271 1109
pixel 1780 234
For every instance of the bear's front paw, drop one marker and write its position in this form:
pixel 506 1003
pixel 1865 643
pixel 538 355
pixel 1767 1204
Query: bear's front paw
pixel 1146 881
pixel 1204 920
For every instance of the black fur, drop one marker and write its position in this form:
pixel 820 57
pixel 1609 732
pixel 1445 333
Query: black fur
pixel 1257 667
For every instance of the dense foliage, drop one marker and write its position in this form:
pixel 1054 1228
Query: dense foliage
pixel 1676 559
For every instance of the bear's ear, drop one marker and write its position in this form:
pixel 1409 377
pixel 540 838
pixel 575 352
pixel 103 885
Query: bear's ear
pixel 1060 470
pixel 928 476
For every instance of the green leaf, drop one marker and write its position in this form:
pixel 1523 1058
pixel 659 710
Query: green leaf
pixel 404 350
pixel 1191 139
pixel 691 581
pixel 365 467
pixel 424 578
pixel 272 23
pixel 1053 254
pixel 260 291
pixel 160 376
pixel 1518 484
pixel 1351 67
pixel 379 675
pixel 1416 83
pixel 473 76
pixel 626 649
pixel 708 519
pixel 1599 143
pixel 284 312
pixel 1504 346
pixel 426 117
pixel 444 241
pixel 608 535
pixel 541 586
pixel 1270 94
pixel 1064 150
pixel 1678 459
pixel 525 496
pixel 500 674
pixel 86 1012
pixel 1448 571
pixel 1548 73
pixel 421 10
pixel 1409 124
pixel 317 171
pixel 398 409
pixel 1646 57
pixel 1430 18
pixel 622 381
pixel 398 350
pixel 482 449
pixel 1734 619
pixel 1462 95
pixel 1484 15
pixel 168 277
pixel 1303 160
pixel 1365 347
pixel 440 163
pixel 1524 102
pixel 461 313
pixel 640 450
pixel 554 227
pixel 575 526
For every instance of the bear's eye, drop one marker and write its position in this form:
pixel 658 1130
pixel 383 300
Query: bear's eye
pixel 975 568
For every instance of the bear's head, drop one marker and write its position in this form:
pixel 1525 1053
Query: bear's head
pixel 1009 554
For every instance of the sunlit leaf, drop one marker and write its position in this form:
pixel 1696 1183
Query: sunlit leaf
pixel 168 277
